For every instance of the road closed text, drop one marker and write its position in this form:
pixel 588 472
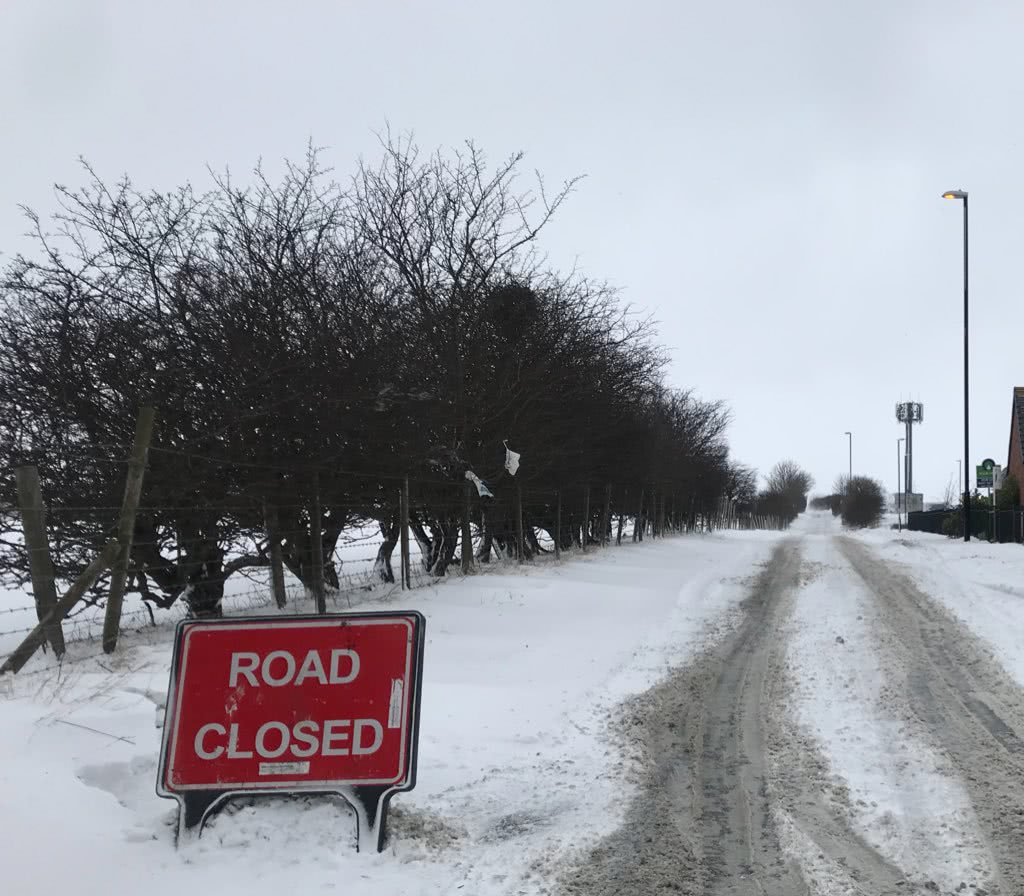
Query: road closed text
pixel 274 740
pixel 300 739
pixel 281 668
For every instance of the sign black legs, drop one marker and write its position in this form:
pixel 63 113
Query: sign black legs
pixel 370 804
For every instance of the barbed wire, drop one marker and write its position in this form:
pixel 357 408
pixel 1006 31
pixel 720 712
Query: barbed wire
pixel 8 610
pixel 347 584
pixel 85 626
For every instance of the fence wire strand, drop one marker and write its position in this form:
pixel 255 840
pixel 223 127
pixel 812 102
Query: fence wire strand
pixel 518 525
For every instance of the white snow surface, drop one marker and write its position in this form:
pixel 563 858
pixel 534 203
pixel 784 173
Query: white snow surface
pixel 517 769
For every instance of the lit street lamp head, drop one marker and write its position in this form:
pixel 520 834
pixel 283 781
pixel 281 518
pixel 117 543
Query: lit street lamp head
pixel 955 194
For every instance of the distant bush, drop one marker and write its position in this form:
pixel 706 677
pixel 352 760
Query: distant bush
pixel 863 504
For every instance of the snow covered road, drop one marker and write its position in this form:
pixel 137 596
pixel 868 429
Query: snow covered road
pixel 850 736
pixel 743 713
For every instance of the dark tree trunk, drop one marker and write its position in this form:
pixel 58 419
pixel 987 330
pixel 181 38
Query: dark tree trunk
pixel 438 548
pixel 329 540
pixel 423 540
pixel 297 553
pixel 204 597
pixel 390 532
pixel 199 574
pixel 446 539
pixel 483 553
pixel 532 544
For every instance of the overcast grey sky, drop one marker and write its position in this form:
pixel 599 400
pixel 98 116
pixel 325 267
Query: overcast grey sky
pixel 763 177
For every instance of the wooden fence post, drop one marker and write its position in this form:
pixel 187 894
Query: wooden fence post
pixel 606 519
pixel 558 525
pixel 404 523
pixel 126 527
pixel 467 531
pixel 33 522
pixel 316 541
pixel 92 572
pixel 520 533
pixel 276 561
pixel 585 535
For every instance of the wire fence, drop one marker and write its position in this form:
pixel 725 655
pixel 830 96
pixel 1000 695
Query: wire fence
pixel 329 541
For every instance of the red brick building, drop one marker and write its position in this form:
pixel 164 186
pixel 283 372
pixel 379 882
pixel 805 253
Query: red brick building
pixel 1015 462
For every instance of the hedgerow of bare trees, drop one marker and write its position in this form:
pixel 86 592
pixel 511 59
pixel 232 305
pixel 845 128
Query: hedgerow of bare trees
pixel 300 339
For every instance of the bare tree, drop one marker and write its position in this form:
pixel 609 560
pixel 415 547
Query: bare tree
pixel 951 497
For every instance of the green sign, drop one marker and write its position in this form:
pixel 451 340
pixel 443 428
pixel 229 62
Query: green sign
pixel 983 475
pixel 988 464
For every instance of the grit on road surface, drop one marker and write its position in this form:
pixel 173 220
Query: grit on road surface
pixel 738 798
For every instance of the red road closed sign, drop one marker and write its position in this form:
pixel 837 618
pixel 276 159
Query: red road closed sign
pixel 302 703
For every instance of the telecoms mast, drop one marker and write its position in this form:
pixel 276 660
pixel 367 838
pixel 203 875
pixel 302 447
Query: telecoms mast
pixel 909 413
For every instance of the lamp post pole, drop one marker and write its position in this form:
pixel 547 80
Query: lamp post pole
pixel 850 476
pixel 962 194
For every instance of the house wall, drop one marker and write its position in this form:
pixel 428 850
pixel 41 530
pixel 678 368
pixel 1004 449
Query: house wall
pixel 1015 462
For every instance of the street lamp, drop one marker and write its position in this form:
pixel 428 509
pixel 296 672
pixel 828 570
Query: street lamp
pixel 899 514
pixel 850 434
pixel 962 194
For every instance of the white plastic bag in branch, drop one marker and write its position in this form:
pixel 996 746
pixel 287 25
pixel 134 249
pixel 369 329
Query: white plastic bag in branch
pixel 511 460
pixel 482 490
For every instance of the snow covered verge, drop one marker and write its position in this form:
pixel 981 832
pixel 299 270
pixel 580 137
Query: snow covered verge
pixel 517 770
pixel 981 584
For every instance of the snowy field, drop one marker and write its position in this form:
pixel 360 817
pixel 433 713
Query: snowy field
pixel 517 772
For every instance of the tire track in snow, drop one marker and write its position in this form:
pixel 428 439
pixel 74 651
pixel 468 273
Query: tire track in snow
pixel 707 818
pixel 969 706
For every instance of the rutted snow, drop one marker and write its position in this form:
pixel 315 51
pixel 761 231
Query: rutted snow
pixel 905 797
pixel 982 584
pixel 827 878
